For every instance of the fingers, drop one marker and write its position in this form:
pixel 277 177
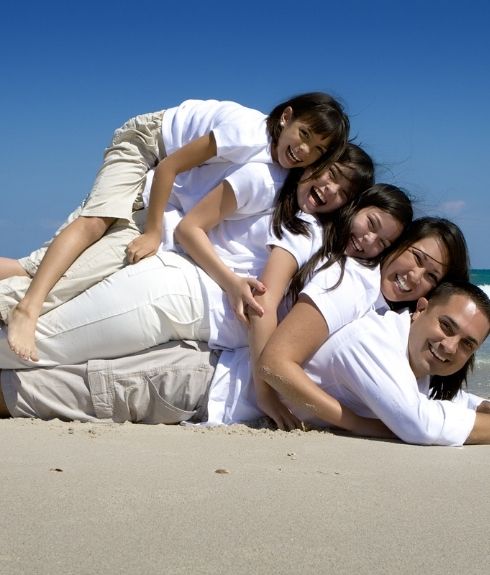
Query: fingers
pixel 256 285
pixel 285 420
pixel 240 314
pixel 134 253
pixel 249 301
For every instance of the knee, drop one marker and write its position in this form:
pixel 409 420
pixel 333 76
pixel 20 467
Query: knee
pixel 94 227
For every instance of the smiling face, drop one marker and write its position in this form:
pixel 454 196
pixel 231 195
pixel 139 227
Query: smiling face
pixel 444 336
pixel 324 194
pixel 298 146
pixel 372 231
pixel 414 272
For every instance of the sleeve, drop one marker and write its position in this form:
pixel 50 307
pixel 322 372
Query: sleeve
pixel 301 247
pixel 355 296
pixel 255 186
pixel 242 136
pixel 469 400
pixel 376 369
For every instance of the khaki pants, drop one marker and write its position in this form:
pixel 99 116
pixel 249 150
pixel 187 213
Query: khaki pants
pixel 97 262
pixel 166 384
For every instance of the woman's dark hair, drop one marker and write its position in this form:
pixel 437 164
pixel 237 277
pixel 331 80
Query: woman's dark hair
pixel 458 264
pixel 354 165
pixel 448 386
pixel 323 114
pixel 336 233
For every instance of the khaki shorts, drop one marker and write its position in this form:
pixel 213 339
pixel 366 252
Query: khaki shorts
pixel 166 384
pixel 136 148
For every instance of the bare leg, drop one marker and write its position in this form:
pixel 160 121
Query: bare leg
pixel 62 252
pixel 10 267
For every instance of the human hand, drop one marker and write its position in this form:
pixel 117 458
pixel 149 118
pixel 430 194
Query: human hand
pixel 270 403
pixel 484 407
pixel 144 246
pixel 240 294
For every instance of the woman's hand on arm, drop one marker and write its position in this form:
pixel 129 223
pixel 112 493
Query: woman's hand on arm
pixel 192 232
pixel 189 156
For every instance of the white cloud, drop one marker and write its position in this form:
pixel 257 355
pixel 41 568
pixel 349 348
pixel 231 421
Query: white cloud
pixel 452 208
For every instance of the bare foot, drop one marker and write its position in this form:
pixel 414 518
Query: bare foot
pixel 21 329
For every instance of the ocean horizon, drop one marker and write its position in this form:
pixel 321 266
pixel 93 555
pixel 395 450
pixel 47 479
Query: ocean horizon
pixel 479 380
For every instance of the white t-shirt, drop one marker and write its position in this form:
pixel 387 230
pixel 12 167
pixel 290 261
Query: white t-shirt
pixel 365 366
pixel 355 295
pixel 241 137
pixel 255 186
pixel 240 133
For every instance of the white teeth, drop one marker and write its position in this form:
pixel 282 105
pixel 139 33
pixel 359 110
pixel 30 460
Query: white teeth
pixel 436 355
pixel 357 247
pixel 401 283
pixel 295 158
pixel 317 196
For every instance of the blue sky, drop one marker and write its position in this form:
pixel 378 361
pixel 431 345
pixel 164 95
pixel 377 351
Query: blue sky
pixel 413 76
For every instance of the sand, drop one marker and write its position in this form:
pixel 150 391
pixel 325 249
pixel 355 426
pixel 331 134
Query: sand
pixel 108 498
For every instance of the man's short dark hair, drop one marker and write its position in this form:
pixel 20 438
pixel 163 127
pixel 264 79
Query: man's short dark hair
pixel 447 387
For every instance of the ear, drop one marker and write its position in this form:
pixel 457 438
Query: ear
pixel 286 115
pixel 422 304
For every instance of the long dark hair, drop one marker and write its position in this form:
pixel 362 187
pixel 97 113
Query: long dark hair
pixel 323 114
pixel 458 264
pixel 448 386
pixel 354 165
pixel 336 234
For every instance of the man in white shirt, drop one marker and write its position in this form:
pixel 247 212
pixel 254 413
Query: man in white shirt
pixel 377 366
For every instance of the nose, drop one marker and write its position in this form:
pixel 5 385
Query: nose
pixel 370 238
pixel 416 275
pixel 450 345
pixel 329 191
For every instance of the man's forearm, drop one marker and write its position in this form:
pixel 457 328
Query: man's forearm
pixel 480 433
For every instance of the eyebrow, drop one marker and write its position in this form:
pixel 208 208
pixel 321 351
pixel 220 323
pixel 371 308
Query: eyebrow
pixel 429 257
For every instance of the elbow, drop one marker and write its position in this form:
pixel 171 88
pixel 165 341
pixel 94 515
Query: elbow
pixel 181 232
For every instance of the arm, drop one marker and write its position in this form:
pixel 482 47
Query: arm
pixel 189 156
pixel 296 339
pixel 481 429
pixel 192 232
pixel 277 274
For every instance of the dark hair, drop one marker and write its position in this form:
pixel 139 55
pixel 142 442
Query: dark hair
pixel 458 264
pixel 323 114
pixel 447 386
pixel 337 232
pixel 355 165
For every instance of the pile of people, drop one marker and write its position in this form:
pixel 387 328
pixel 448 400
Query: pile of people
pixel 229 264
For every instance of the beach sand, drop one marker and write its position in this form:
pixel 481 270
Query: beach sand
pixel 82 498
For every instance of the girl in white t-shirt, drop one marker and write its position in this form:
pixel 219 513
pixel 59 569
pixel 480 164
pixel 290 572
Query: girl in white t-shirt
pixel 310 129
pixel 432 250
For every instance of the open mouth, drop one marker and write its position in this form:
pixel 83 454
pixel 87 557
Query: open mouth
pixel 356 245
pixel 317 197
pixel 401 284
pixel 293 158
pixel 436 355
